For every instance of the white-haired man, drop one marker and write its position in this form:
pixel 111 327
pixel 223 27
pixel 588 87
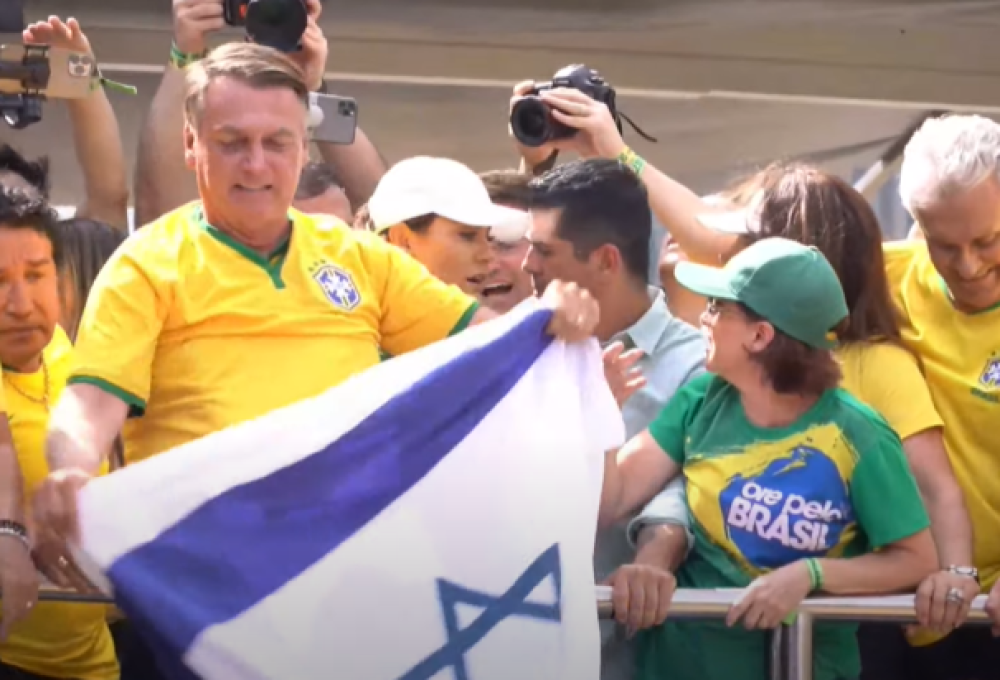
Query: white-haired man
pixel 946 284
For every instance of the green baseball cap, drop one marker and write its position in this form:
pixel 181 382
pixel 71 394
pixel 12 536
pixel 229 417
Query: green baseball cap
pixel 790 285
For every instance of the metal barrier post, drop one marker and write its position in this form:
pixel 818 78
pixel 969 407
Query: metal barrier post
pixel 798 661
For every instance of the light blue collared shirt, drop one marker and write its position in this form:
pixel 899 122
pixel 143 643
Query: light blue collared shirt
pixel 673 353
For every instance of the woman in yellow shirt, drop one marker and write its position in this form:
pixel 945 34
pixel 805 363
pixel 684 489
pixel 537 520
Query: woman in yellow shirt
pixel 56 640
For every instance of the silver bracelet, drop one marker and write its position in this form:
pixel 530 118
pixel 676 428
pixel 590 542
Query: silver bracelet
pixel 9 531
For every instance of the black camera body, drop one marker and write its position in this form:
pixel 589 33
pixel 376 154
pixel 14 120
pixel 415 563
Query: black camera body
pixel 531 119
pixel 274 23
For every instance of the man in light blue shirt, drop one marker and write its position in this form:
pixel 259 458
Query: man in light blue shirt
pixel 591 225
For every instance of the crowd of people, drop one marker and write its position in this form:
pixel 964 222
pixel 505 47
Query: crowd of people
pixel 808 407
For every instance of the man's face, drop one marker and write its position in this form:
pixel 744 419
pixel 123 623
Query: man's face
pixel 552 258
pixel 963 239
pixel 508 284
pixel 247 150
pixel 29 296
pixel 333 201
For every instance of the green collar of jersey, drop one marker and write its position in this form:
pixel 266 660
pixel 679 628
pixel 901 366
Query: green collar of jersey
pixel 271 264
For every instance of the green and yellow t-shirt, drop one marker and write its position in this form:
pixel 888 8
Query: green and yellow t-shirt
pixel 764 498
pixel 198 333
pixel 960 357
pixel 58 639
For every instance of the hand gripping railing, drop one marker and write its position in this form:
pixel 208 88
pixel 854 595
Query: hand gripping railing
pixel 792 644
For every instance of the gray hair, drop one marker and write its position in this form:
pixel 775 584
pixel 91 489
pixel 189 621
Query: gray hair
pixel 948 155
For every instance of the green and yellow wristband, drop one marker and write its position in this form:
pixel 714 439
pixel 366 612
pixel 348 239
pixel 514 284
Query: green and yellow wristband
pixel 182 60
pixel 815 583
pixel 632 160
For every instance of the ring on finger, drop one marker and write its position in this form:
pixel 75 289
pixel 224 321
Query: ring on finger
pixel 62 562
pixel 955 595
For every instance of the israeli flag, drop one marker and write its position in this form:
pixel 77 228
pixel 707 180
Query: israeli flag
pixel 433 517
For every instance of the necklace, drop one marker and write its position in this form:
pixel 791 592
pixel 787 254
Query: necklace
pixel 44 401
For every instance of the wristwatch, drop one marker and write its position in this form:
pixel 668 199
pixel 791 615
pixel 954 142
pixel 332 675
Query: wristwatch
pixel 970 572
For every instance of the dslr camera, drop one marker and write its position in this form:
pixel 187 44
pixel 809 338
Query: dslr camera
pixel 531 119
pixel 274 23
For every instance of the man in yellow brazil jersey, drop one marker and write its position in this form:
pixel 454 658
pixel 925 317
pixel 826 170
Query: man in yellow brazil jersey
pixel 50 639
pixel 236 305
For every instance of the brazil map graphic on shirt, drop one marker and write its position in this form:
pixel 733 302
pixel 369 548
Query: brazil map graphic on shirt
pixel 772 502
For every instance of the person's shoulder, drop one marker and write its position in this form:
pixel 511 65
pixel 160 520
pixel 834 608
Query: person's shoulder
pixel 905 258
pixel 862 425
pixel 333 234
pixel 881 358
pixel 164 237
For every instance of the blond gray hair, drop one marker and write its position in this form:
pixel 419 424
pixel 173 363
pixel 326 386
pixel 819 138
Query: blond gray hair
pixel 946 156
pixel 254 65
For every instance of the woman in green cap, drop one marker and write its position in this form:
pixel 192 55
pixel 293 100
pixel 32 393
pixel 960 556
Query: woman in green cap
pixel 789 478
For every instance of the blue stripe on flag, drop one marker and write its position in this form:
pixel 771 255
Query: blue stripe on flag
pixel 243 545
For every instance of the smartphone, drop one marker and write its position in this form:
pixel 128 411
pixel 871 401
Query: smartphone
pixel 54 72
pixel 333 119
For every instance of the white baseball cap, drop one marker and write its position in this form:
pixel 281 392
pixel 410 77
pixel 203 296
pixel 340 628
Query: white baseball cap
pixel 743 221
pixel 439 186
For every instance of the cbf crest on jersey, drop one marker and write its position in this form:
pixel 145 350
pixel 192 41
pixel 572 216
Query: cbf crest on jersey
pixel 338 287
pixel 991 373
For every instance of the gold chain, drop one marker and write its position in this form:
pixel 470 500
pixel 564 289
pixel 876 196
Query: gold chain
pixel 44 401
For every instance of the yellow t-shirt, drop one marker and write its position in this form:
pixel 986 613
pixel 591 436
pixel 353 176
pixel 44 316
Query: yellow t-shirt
pixel 960 357
pixel 887 378
pixel 61 640
pixel 197 333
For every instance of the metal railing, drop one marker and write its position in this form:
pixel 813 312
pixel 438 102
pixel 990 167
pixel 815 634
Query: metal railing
pixel 792 644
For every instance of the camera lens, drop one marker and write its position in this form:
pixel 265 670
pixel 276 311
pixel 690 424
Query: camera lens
pixel 531 122
pixel 277 23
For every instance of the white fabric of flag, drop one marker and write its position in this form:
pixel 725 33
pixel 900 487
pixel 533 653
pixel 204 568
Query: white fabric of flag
pixel 433 517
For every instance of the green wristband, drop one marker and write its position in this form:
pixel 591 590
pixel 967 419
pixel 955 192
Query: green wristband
pixel 632 160
pixel 815 574
pixel 181 59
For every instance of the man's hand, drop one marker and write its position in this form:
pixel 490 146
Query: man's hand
pixel 641 595
pixel 55 506
pixel 993 607
pixel 576 312
pixel 56 33
pixel 598 136
pixel 620 371
pixel 18 583
pixel 312 57
pixel 54 560
pixel 768 601
pixel 935 610
pixel 193 21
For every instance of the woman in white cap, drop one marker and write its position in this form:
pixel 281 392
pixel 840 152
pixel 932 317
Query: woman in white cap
pixel 440 212
pixel 788 476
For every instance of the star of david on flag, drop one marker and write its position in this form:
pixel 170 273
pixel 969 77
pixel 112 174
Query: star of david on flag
pixel 423 520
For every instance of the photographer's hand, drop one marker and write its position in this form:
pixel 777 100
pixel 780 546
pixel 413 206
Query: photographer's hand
pixel 598 137
pixel 55 33
pixel 193 21
pixel 312 57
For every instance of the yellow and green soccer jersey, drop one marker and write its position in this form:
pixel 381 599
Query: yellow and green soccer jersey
pixel 764 498
pixel 197 332
pixel 57 639
pixel 960 357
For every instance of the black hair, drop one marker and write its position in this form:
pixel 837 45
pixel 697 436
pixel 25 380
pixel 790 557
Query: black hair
pixel 86 246
pixel 35 173
pixel 20 210
pixel 316 179
pixel 601 202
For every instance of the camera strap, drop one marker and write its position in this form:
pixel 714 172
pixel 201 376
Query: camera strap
pixel 639 131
